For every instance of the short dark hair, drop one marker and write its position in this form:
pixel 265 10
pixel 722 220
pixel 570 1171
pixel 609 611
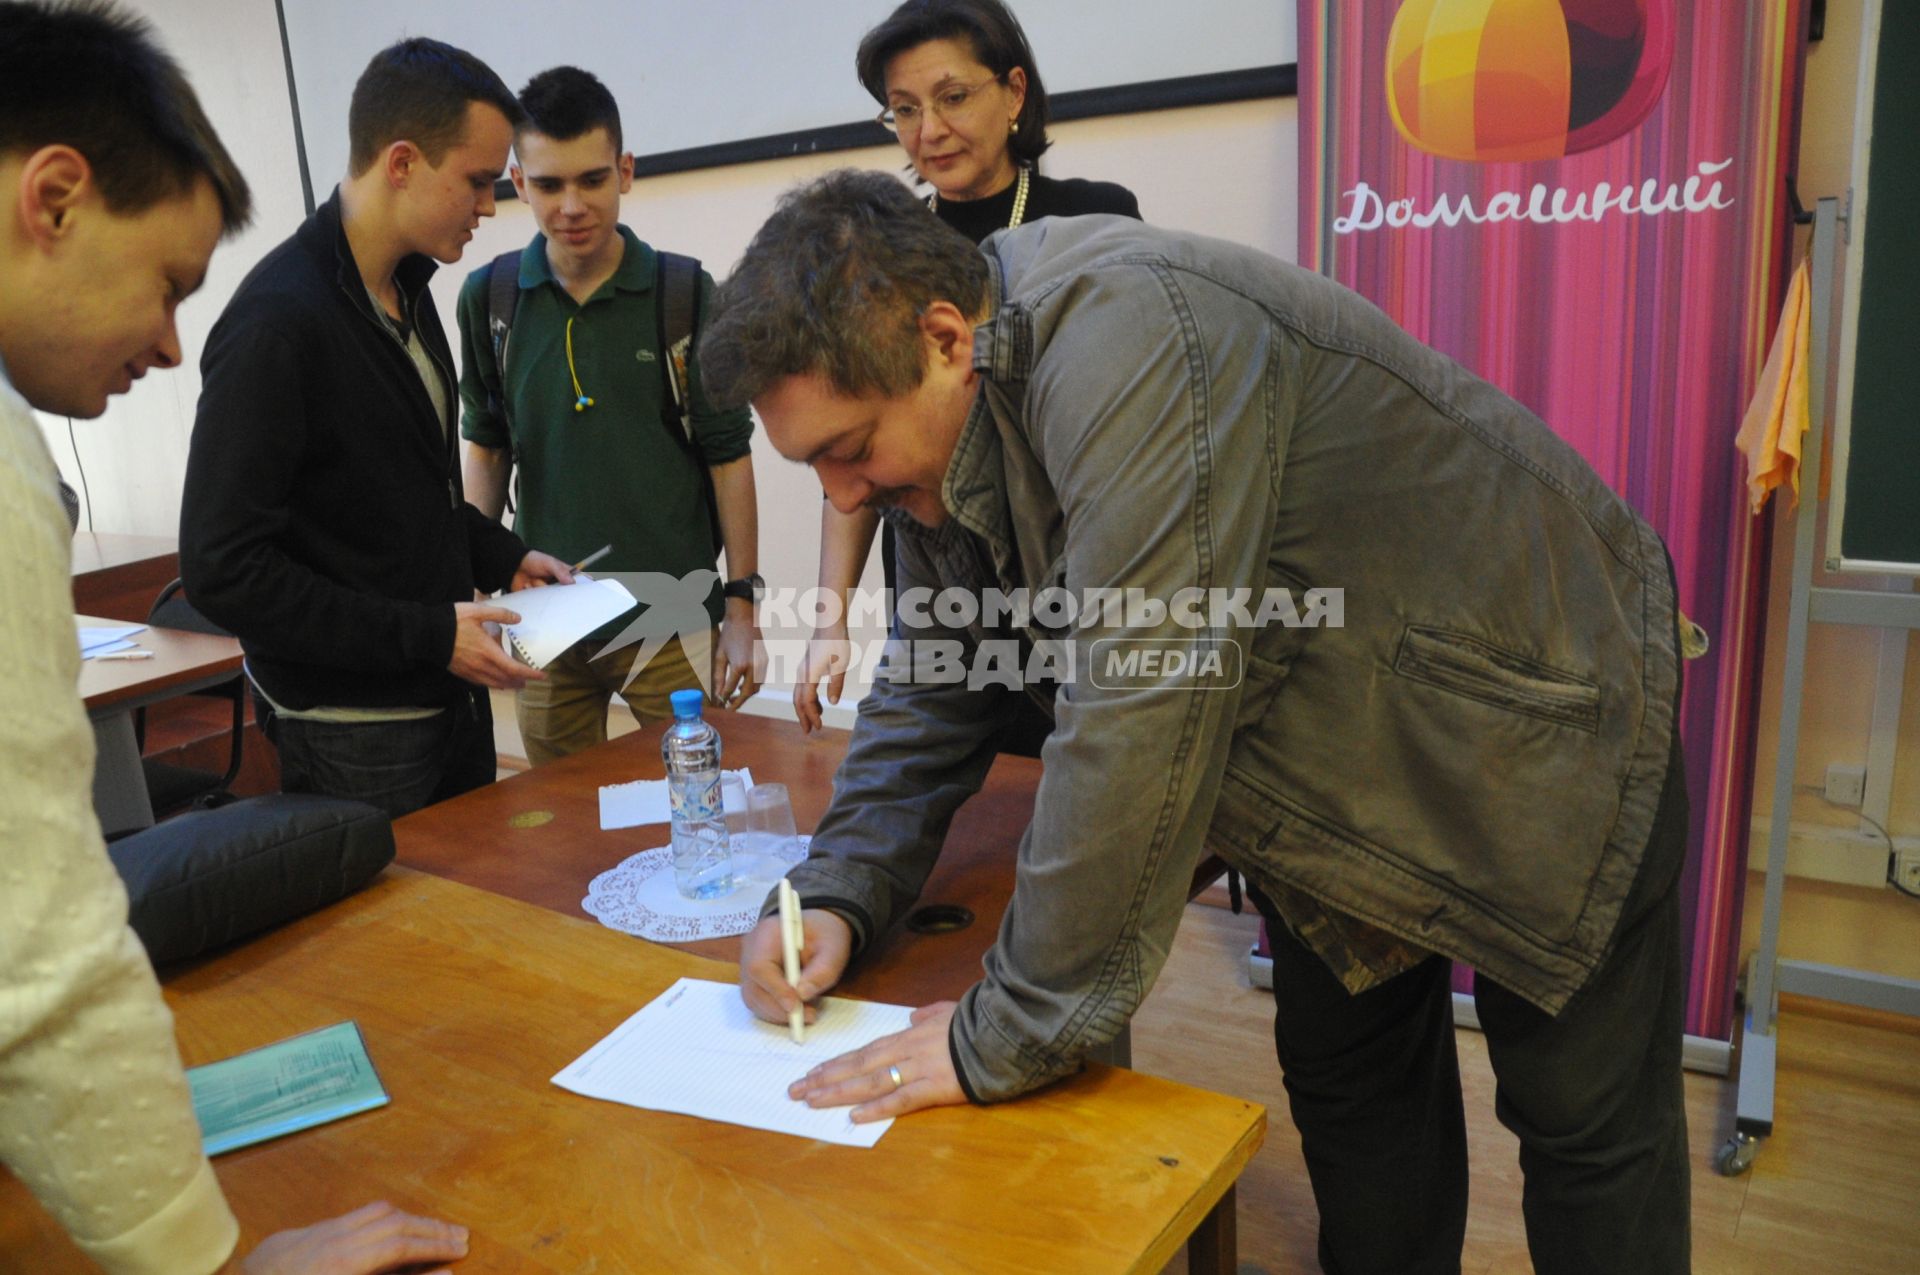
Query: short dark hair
pixel 88 75
pixel 418 90
pixel 998 44
pixel 834 283
pixel 565 102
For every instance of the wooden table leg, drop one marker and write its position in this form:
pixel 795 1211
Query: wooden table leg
pixel 1214 1246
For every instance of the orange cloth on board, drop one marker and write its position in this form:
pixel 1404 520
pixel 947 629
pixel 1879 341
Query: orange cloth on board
pixel 1776 422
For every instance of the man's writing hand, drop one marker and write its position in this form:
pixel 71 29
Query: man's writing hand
pixel 826 944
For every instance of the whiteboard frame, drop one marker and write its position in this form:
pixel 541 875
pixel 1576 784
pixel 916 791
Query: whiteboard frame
pixel 1156 82
pixel 1856 242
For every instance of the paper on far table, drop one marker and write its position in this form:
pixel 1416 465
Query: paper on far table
pixel 647 801
pixel 98 641
pixel 697 1050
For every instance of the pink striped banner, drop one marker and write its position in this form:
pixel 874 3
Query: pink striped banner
pixel 1585 202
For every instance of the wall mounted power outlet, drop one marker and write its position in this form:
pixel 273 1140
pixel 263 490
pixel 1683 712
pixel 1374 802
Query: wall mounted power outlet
pixel 1846 785
pixel 1906 870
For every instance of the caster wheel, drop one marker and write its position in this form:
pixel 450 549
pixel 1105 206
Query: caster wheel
pixel 1736 1155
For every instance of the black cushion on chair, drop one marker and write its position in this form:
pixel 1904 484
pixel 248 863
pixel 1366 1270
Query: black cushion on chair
pixel 207 878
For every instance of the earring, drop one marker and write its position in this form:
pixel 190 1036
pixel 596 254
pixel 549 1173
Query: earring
pixel 1013 126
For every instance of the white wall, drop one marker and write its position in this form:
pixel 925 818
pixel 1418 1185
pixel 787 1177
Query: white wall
pixel 135 455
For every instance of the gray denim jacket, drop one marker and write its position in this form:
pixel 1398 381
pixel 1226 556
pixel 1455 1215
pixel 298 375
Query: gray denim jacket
pixel 1470 762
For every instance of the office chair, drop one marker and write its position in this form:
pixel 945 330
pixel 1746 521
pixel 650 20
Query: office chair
pixel 172 788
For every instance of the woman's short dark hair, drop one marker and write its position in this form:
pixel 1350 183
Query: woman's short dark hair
pixel 89 75
pixel 998 44
pixel 565 102
pixel 834 284
pixel 418 90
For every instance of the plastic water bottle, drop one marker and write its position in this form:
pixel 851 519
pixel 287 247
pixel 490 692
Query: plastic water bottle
pixel 702 856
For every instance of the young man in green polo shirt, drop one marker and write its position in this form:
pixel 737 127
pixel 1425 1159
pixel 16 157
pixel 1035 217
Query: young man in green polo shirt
pixel 579 405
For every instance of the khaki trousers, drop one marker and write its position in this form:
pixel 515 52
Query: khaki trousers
pixel 568 711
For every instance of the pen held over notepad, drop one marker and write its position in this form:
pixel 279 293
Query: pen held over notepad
pixel 591 558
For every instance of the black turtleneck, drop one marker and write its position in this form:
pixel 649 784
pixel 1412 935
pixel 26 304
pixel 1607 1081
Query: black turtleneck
pixel 1075 197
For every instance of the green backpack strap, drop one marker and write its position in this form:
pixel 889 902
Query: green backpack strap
pixel 677 299
pixel 503 299
pixel 677 317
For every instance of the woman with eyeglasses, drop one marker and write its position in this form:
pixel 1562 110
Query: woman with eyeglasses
pixel 958 86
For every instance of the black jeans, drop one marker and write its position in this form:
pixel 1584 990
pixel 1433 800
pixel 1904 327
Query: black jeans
pixel 1594 1094
pixel 396 766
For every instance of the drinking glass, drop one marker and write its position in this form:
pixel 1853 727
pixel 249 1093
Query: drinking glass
pixel 770 830
pixel 733 804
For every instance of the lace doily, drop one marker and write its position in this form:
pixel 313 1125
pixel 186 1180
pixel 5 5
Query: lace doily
pixel 639 897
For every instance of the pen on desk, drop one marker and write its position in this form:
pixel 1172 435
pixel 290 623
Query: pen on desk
pixel 592 558
pixel 122 655
pixel 790 953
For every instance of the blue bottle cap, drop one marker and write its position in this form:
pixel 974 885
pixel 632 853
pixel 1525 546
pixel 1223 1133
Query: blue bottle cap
pixel 686 704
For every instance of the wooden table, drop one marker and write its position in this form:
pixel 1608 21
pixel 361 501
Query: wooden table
pixel 120 575
pixel 536 837
pixel 470 1002
pixel 501 838
pixel 112 689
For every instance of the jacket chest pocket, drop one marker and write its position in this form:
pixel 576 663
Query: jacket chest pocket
pixel 1503 679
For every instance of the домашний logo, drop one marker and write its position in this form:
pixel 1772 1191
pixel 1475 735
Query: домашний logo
pixel 1493 80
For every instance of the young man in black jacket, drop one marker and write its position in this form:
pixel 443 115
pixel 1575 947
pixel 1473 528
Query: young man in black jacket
pixel 323 521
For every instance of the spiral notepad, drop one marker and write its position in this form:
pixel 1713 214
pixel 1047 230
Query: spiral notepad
pixel 555 617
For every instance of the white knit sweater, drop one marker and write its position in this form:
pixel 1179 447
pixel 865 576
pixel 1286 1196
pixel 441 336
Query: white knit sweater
pixel 94 1112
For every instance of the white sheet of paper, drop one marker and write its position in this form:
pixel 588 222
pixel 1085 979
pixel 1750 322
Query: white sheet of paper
pixel 697 1050
pixel 647 801
pixel 94 640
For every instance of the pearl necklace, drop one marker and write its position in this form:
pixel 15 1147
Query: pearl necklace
pixel 1019 199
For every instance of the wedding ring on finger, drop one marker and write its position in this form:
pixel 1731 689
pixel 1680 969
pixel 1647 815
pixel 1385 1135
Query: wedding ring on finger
pixel 893 1074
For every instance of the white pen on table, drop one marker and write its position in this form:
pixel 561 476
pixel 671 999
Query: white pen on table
pixel 790 937
pixel 122 655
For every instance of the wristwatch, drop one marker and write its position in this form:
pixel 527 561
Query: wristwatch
pixel 749 587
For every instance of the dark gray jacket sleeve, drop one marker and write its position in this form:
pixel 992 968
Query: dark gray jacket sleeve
pixel 920 748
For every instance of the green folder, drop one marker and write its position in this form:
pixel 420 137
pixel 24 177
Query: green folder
pixel 283 1087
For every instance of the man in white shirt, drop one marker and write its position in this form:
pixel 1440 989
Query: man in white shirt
pixel 114 190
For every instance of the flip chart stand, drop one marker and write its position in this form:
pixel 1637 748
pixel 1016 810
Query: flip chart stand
pixel 1768 976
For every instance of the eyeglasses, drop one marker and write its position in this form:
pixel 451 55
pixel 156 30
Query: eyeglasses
pixel 949 104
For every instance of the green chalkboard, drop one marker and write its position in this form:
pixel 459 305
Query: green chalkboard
pixel 1880 513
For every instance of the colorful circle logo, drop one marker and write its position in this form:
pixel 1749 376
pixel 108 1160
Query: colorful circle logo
pixel 1494 80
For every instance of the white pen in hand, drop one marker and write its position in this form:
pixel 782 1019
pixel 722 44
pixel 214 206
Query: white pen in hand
pixel 790 939
pixel 591 558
